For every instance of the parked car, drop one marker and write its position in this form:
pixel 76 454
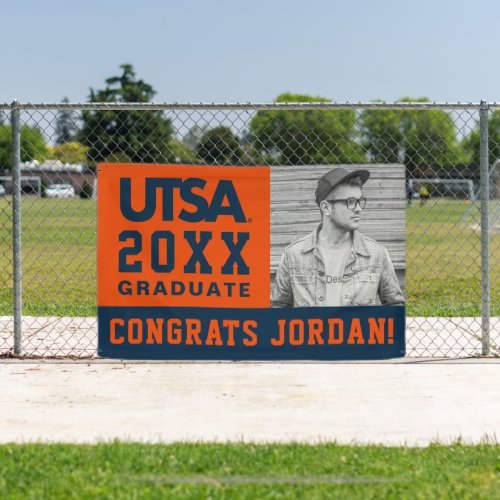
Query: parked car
pixel 2 190
pixel 60 191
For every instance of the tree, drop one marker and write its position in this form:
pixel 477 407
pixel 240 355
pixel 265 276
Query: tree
pixel 471 144
pixel 117 157
pixel 141 136
pixel 219 146
pixel 182 153
pixel 306 137
pixel 71 152
pixel 430 139
pixel 415 137
pixel 33 145
pixel 66 126
pixel 382 134
pixel 193 136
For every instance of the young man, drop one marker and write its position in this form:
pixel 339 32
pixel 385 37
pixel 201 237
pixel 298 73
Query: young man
pixel 335 265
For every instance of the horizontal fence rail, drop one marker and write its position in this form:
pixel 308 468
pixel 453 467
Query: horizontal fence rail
pixel 439 162
pixel 291 106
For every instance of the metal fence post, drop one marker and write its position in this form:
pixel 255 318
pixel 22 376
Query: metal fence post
pixel 485 229
pixel 16 224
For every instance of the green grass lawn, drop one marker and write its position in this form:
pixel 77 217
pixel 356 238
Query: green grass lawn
pixel 59 259
pixel 117 470
pixel 444 261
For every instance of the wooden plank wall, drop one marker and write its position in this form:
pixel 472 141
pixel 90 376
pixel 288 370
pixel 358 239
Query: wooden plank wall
pixel 294 212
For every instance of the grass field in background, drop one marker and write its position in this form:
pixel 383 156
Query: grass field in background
pixel 117 470
pixel 443 275
pixel 59 259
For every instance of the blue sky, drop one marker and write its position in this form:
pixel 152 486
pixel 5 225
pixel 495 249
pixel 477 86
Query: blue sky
pixel 235 51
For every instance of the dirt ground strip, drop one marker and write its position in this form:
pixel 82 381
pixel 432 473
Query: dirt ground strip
pixel 77 337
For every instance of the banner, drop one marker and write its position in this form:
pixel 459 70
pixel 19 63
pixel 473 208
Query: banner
pixel 184 271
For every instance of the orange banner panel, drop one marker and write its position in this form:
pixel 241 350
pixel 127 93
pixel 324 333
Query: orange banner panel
pixel 182 235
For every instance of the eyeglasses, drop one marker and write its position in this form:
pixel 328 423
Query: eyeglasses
pixel 351 202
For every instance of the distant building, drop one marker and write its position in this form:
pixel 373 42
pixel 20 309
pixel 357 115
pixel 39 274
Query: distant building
pixel 50 172
pixel 53 166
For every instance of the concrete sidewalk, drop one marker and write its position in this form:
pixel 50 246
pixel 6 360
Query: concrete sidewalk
pixel 413 402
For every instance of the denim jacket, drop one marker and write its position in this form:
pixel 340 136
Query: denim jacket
pixel 300 279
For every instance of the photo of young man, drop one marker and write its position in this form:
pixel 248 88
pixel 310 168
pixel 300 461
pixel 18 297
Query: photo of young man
pixel 335 265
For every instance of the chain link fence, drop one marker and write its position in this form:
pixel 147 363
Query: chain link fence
pixel 48 159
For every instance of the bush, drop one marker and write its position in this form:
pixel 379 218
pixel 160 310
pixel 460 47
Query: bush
pixel 86 191
pixel 43 186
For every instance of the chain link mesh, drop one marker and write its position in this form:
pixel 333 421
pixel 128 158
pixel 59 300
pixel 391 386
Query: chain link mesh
pixel 61 146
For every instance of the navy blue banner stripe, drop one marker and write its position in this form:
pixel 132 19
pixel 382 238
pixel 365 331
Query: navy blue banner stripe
pixel 192 333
